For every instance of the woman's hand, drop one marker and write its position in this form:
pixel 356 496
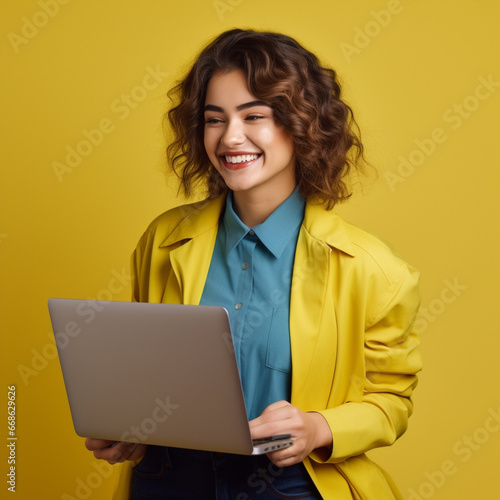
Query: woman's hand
pixel 117 453
pixel 309 431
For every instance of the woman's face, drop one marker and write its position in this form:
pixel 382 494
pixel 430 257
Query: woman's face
pixel 253 153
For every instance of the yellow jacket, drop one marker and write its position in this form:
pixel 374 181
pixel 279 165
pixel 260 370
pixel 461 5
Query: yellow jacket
pixel 354 354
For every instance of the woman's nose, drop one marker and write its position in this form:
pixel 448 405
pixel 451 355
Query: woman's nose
pixel 233 134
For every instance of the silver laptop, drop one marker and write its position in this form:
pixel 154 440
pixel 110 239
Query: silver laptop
pixel 159 374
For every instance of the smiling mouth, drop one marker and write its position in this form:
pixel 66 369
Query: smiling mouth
pixel 235 162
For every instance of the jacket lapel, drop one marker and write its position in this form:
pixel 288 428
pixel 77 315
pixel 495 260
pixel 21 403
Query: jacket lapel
pixel 313 323
pixel 191 247
pixel 191 279
pixel 306 306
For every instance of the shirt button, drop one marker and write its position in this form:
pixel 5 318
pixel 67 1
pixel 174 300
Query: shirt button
pixel 237 306
pixel 244 266
pixel 251 232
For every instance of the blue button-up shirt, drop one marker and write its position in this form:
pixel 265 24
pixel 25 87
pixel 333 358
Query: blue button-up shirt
pixel 249 275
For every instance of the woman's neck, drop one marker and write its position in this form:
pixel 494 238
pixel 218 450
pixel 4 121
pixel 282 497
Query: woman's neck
pixel 254 209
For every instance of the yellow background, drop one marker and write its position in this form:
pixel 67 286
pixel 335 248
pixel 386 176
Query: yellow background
pixel 406 74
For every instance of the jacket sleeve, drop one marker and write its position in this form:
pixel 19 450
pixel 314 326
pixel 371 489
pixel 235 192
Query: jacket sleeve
pixel 391 363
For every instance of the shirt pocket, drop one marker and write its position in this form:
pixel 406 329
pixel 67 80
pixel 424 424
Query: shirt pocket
pixel 278 355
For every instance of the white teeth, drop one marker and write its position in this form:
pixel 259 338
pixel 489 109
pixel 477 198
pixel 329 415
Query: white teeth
pixel 240 158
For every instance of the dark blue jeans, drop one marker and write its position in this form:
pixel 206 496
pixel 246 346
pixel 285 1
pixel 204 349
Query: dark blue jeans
pixel 175 473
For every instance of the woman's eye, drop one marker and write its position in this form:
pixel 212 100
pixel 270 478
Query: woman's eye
pixel 254 117
pixel 213 121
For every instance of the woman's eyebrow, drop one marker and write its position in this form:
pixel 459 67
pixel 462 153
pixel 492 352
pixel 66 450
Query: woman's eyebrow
pixel 251 104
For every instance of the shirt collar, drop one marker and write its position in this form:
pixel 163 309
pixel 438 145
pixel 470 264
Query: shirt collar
pixel 275 232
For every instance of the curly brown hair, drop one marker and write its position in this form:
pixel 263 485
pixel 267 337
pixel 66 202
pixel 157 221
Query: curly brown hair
pixel 304 96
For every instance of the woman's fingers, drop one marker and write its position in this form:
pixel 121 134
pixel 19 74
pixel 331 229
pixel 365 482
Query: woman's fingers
pixel 115 451
pixel 309 431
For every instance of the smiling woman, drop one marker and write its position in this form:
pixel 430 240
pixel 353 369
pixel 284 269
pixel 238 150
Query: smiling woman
pixel 252 153
pixel 321 313
pixel 304 98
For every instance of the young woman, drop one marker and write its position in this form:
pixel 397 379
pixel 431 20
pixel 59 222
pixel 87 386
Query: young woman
pixel 321 312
